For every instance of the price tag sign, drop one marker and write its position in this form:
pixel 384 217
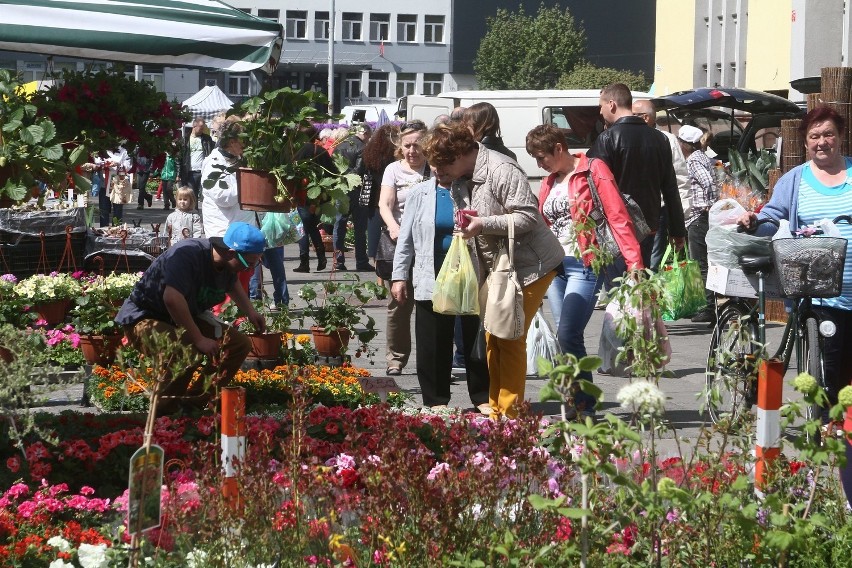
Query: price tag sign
pixel 379 385
pixel 146 482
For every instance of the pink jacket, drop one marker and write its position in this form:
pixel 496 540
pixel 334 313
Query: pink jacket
pixel 580 197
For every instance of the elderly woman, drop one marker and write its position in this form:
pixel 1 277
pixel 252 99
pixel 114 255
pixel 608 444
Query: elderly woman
pixel 398 179
pixel 424 240
pixel 564 197
pixel 818 189
pixel 499 188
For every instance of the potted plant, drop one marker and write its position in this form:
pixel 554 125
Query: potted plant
pixel 276 126
pixel 337 309
pixel 14 310
pixel 93 319
pixel 266 345
pixel 30 150
pixel 49 294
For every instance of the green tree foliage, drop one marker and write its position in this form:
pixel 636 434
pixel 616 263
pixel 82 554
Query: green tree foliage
pixel 520 51
pixel 588 76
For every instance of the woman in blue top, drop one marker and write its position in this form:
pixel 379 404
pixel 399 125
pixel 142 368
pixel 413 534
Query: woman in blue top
pixel 425 235
pixel 819 189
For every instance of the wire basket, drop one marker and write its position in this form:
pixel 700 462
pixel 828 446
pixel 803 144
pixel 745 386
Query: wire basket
pixel 809 267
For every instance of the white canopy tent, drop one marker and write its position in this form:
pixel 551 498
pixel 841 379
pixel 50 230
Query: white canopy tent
pixel 192 33
pixel 207 103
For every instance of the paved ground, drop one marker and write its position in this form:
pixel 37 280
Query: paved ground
pixel 689 344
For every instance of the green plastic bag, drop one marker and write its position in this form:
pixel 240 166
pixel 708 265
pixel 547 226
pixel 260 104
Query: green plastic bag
pixel 456 286
pixel 282 228
pixel 683 293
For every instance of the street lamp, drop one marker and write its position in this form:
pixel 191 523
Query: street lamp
pixel 331 58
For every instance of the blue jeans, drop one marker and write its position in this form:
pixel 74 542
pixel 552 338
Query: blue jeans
pixel 273 259
pixel 572 299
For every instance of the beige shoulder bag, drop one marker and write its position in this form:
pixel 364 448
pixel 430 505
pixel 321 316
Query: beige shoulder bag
pixel 504 306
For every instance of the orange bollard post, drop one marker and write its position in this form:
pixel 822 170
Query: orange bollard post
pixel 769 388
pixel 233 440
pixel 846 473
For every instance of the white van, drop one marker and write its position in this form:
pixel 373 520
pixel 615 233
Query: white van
pixel 576 112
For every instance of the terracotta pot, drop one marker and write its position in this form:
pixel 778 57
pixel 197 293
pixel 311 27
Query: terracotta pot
pixel 53 312
pixel 99 349
pixel 6 355
pixel 257 190
pixel 330 344
pixel 265 345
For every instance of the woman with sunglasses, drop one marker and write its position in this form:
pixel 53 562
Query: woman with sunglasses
pixel 399 177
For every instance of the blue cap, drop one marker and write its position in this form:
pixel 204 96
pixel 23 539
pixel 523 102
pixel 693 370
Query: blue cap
pixel 242 237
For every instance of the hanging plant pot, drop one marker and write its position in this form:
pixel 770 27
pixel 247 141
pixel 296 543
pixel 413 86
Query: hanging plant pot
pixel 100 349
pixel 257 191
pixel 330 344
pixel 53 312
pixel 265 345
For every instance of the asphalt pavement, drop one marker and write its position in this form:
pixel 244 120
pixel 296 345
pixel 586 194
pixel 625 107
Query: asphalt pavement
pixel 689 342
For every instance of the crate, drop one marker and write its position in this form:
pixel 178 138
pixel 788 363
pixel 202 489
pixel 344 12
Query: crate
pixel 809 267
pixel 24 258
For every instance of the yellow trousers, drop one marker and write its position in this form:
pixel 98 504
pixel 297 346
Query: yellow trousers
pixel 507 358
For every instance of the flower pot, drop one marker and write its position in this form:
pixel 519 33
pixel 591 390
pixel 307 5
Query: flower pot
pixel 100 349
pixel 330 344
pixel 265 345
pixel 53 312
pixel 257 191
pixel 6 355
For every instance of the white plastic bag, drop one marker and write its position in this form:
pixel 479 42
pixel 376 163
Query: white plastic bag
pixel 725 213
pixel 610 343
pixel 541 342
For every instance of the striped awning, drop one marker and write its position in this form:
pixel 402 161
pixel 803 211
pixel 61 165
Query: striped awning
pixel 190 33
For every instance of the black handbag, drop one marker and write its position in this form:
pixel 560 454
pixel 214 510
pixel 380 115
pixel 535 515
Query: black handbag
pixel 603 232
pixel 384 255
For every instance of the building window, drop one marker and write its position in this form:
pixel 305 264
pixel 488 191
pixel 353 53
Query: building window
pixel 406 28
pixel 352 22
pixel 433 83
pixel 210 82
pixel 405 84
pixel 238 85
pixel 378 86
pixel 269 14
pixel 297 24
pixel 379 27
pixel 353 86
pixel 433 31
pixel 322 25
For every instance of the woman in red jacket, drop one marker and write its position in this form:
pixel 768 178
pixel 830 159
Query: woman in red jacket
pixel 565 197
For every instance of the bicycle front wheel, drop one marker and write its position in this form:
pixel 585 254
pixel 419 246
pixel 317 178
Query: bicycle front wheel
pixel 811 351
pixel 732 365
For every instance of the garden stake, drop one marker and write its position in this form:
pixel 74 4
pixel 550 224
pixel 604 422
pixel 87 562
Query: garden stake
pixel 233 440
pixel 769 387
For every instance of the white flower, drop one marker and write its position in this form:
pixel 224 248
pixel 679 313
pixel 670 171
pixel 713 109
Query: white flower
pixel 196 559
pixel 92 556
pixel 642 397
pixel 59 563
pixel 59 543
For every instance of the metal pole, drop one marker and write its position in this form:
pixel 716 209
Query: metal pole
pixel 331 57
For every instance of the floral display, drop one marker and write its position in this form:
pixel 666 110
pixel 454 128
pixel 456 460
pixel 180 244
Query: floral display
pixel 42 288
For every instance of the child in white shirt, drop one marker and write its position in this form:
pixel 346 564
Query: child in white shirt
pixel 184 222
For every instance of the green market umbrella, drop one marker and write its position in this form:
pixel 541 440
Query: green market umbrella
pixel 191 33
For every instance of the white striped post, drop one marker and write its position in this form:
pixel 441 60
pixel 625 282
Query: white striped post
pixel 233 440
pixel 769 388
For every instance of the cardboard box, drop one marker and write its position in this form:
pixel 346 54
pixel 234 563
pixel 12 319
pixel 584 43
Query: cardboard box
pixel 733 282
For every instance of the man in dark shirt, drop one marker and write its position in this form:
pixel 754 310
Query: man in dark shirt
pixel 352 148
pixel 641 161
pixel 177 292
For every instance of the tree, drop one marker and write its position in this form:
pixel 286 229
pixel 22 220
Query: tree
pixel 520 51
pixel 588 76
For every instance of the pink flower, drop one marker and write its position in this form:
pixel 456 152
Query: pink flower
pixel 17 490
pixel 437 470
pixel 14 464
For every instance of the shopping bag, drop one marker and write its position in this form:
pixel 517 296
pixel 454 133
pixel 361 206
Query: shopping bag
pixel 683 289
pixel 456 288
pixel 541 343
pixel 611 344
pixel 282 228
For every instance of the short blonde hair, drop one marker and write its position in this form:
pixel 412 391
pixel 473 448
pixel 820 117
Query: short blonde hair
pixel 189 193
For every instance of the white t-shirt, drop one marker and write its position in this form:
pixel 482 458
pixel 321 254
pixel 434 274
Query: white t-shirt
pixel 402 180
pixel 557 212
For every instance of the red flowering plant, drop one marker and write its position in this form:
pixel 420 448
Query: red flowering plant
pixel 101 111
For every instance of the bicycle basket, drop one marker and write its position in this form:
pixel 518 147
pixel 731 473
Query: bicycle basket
pixel 809 267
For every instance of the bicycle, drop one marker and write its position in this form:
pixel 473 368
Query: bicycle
pixel 807 268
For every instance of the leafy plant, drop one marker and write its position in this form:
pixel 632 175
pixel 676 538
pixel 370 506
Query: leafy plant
pixel 92 316
pixel 13 309
pixel 336 304
pixel 48 288
pixel 277 125
pixel 277 320
pixel 30 150
pixel 753 168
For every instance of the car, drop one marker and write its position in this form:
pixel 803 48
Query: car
pixel 751 120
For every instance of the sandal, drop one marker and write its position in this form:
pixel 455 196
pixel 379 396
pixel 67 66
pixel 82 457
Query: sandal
pixel 394 371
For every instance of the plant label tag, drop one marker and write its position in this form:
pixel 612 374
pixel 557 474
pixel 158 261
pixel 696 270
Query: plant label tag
pixel 379 385
pixel 146 482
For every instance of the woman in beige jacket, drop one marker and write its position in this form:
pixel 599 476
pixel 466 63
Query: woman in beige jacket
pixel 499 188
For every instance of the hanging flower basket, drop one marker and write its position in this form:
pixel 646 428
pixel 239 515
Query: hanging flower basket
pixel 258 190
pixel 53 312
